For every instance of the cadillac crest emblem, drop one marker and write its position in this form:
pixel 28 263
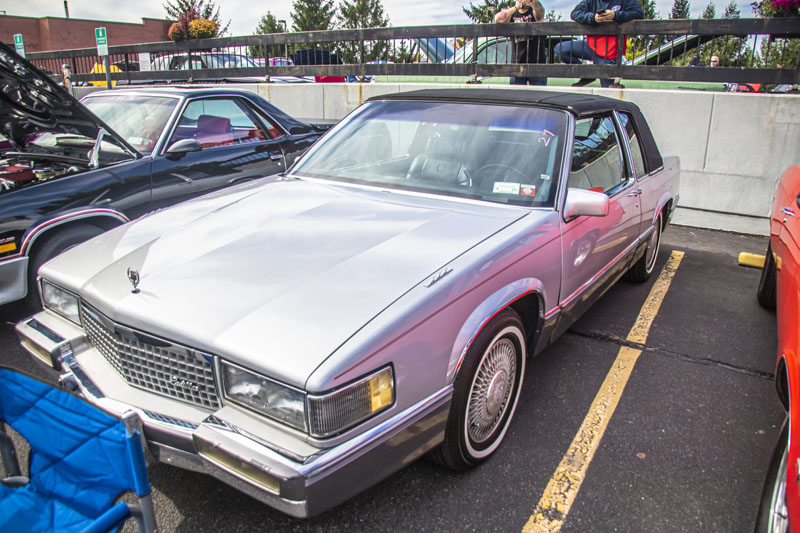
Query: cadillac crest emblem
pixel 133 277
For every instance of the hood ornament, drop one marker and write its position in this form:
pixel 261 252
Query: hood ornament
pixel 133 277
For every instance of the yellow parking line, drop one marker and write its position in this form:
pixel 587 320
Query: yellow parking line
pixel 560 493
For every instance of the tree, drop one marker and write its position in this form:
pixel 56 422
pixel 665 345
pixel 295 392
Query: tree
pixel 268 24
pixel 206 9
pixel 312 15
pixel 649 8
pixel 680 9
pixel 778 52
pixel 551 16
pixel 709 12
pixel 357 14
pixel 639 45
pixel 484 13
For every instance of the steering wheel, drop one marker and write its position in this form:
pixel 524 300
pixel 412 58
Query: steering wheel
pixel 493 170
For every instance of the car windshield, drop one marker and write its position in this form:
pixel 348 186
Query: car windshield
pixel 138 119
pixel 499 153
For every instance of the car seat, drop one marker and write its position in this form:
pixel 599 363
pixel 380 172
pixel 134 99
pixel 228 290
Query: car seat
pixel 213 131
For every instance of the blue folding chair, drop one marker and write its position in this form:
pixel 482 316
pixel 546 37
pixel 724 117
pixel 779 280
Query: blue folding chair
pixel 81 461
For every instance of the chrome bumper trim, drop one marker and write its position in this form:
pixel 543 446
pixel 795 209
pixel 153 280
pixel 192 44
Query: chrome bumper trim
pixel 306 485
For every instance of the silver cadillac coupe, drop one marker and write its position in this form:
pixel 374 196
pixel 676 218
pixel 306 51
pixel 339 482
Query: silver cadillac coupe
pixel 303 338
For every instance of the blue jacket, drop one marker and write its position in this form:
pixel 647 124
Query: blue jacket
pixel 625 10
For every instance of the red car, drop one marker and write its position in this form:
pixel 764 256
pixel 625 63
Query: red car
pixel 779 289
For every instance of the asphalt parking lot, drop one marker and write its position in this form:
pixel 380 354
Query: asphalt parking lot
pixel 685 450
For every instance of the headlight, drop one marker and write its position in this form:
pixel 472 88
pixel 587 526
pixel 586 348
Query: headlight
pixel 328 414
pixel 334 412
pixel 261 394
pixel 62 302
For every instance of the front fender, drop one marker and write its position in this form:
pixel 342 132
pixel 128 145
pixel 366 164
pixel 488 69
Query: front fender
pixel 484 313
pixel 43 225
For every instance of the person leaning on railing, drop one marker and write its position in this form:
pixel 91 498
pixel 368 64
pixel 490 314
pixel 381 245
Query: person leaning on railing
pixel 599 49
pixel 526 49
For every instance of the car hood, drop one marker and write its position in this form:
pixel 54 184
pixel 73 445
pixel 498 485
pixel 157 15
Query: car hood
pixel 275 277
pixel 32 103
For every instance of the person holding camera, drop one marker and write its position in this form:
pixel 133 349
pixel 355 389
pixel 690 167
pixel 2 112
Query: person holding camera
pixel 525 50
pixel 599 49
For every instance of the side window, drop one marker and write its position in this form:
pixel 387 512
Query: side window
pixel 496 52
pixel 217 122
pixel 633 140
pixel 596 157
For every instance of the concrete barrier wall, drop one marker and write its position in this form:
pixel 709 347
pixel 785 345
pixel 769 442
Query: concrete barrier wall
pixel 733 147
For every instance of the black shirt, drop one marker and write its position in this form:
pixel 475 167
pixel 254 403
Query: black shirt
pixel 527 50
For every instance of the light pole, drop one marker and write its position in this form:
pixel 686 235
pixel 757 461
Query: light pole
pixel 66 8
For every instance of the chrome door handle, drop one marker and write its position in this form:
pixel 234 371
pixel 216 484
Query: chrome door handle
pixel 788 211
pixel 635 192
pixel 276 156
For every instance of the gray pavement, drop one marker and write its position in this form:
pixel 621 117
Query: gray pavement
pixel 686 449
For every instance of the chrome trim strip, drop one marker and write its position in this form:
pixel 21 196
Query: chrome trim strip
pixel 222 425
pixel 32 234
pixel 557 309
pixel 481 326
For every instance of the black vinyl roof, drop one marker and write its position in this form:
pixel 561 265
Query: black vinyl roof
pixel 579 104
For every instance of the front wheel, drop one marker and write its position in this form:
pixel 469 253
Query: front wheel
pixel 485 394
pixel 773 515
pixel 643 268
pixel 51 245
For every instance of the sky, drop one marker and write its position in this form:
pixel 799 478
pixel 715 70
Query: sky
pixel 244 14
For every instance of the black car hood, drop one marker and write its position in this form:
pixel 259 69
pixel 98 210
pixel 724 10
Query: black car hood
pixel 31 103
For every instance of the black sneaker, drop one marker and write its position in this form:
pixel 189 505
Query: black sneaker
pixel 582 82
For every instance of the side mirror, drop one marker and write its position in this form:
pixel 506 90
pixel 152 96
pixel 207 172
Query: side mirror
pixel 184 146
pixel 581 202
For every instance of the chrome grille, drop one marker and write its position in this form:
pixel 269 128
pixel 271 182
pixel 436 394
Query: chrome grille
pixel 152 364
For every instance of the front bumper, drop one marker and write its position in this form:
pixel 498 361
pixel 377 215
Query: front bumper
pixel 13 279
pixel 234 446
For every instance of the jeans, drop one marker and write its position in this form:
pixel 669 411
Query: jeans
pixel 532 80
pixel 573 51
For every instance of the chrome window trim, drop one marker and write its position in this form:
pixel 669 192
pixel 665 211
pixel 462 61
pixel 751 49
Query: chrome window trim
pixel 173 119
pixel 161 139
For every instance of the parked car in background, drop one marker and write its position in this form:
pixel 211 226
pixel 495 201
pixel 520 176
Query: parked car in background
pixel 779 289
pixel 80 168
pixel 303 338
pixel 274 61
pixel 202 60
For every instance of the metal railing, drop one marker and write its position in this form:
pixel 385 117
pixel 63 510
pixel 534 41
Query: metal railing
pixel 752 50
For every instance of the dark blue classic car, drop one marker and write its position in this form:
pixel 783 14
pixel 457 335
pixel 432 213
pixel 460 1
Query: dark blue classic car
pixel 77 169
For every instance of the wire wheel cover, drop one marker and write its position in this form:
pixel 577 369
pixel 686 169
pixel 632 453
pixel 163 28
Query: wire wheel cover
pixel 491 390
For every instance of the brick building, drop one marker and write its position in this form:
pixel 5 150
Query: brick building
pixel 42 34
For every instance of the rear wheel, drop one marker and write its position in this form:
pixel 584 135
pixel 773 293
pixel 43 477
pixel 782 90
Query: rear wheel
pixel 485 393
pixel 47 247
pixel 766 285
pixel 643 268
pixel 773 515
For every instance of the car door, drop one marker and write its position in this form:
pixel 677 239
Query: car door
pixel 237 144
pixel 595 249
